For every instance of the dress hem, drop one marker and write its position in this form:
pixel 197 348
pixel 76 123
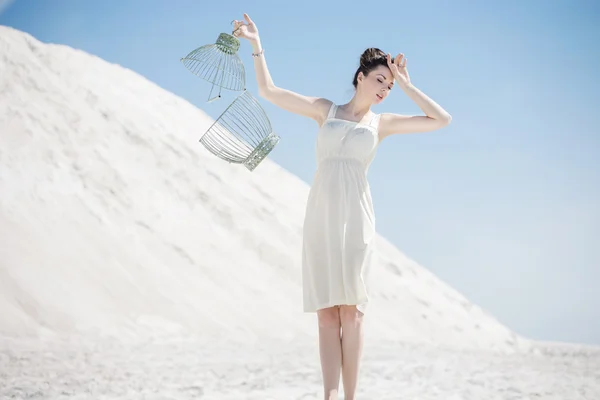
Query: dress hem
pixel 360 305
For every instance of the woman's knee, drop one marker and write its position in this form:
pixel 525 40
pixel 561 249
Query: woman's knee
pixel 329 317
pixel 350 316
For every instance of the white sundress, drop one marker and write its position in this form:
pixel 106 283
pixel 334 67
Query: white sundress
pixel 339 224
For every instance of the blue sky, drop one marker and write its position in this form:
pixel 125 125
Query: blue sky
pixel 504 204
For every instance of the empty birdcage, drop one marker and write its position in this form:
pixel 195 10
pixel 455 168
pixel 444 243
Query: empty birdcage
pixel 242 134
pixel 219 64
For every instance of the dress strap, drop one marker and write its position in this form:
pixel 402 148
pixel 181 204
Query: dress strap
pixel 332 111
pixel 375 121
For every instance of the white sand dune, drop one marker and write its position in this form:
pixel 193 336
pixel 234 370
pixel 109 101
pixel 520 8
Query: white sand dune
pixel 126 249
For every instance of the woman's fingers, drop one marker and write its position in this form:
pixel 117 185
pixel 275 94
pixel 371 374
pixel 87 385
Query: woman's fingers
pixel 398 60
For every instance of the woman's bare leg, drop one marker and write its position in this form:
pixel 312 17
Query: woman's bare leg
pixel 330 350
pixel 352 345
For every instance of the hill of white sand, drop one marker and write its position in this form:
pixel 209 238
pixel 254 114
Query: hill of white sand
pixel 126 246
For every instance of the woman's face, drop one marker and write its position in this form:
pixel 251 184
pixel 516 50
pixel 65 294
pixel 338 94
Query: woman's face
pixel 377 85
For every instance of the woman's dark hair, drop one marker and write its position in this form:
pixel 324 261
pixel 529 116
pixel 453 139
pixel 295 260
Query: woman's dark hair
pixel 370 59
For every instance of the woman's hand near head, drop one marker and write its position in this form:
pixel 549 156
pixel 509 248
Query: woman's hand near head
pixel 398 69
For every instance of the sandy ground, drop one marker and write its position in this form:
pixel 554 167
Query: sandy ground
pixel 186 369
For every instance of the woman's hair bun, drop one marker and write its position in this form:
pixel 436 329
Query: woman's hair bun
pixel 371 55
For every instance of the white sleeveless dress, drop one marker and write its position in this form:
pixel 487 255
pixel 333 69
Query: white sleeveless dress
pixel 339 224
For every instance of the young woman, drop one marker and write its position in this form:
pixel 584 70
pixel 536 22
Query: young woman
pixel 339 225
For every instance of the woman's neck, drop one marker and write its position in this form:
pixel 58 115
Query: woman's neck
pixel 357 107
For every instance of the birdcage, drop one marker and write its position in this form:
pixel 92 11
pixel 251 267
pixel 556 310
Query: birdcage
pixel 242 134
pixel 219 64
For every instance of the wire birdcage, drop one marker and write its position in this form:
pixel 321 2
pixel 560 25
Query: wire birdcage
pixel 219 64
pixel 242 134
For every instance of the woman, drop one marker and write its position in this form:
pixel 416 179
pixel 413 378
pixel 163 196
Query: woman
pixel 339 223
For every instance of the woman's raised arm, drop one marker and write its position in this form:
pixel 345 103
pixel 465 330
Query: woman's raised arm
pixel 315 108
